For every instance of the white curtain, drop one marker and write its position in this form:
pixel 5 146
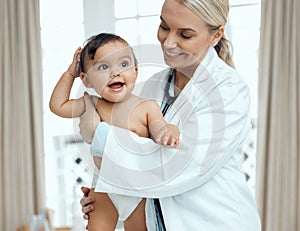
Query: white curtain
pixel 21 126
pixel 278 160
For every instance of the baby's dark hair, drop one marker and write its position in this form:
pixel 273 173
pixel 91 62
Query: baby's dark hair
pixel 96 41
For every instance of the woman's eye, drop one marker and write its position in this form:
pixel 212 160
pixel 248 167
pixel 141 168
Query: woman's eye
pixel 102 67
pixel 185 36
pixel 163 27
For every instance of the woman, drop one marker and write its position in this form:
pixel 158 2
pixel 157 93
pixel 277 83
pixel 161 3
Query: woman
pixel 201 185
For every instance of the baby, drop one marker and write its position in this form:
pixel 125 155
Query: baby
pixel 108 65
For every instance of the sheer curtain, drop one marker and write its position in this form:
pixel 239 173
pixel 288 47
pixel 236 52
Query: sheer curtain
pixel 21 127
pixel 278 163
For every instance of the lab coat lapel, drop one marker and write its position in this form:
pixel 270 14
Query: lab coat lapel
pixel 196 90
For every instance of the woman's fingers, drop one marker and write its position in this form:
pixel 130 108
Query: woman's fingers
pixel 87 209
pixel 85 190
pixel 86 202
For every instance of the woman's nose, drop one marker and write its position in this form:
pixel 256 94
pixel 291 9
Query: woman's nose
pixel 170 40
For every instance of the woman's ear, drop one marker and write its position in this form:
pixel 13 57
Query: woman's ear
pixel 217 36
pixel 85 80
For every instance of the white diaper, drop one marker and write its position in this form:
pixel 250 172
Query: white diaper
pixel 125 205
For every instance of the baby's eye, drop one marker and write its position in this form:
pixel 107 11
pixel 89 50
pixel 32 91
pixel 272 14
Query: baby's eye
pixel 102 67
pixel 124 63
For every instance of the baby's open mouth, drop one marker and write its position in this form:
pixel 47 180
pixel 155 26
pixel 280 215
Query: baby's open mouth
pixel 116 85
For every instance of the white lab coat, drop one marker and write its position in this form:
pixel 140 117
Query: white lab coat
pixel 201 185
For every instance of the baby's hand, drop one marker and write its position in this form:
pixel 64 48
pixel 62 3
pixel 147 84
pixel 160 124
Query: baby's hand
pixel 169 135
pixel 73 70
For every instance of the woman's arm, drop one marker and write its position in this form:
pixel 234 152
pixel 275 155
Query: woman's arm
pixel 60 102
pixel 211 133
pixel 214 123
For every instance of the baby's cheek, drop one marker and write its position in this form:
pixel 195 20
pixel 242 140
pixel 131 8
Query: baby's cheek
pixel 99 87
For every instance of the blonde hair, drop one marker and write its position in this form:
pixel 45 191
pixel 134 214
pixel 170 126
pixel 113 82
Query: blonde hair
pixel 214 13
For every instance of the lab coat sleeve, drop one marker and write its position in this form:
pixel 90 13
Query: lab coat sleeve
pixel 213 117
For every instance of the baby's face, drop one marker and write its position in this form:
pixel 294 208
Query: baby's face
pixel 113 73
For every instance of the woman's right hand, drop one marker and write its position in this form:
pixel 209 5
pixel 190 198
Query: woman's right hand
pixel 86 202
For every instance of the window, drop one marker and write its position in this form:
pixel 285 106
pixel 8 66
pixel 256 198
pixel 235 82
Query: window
pixel 62 31
pixel 244 23
pixel 138 25
pixel 244 32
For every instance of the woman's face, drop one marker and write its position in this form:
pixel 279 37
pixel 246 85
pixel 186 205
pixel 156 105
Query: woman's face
pixel 184 36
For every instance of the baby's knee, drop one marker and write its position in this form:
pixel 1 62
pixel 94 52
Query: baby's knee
pixel 128 226
pixel 101 226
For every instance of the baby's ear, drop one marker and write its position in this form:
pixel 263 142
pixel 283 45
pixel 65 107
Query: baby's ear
pixel 85 80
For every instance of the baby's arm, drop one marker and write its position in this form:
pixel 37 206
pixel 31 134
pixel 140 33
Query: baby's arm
pixel 60 102
pixel 161 131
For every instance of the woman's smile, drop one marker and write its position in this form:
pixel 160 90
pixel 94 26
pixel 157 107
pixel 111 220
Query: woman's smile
pixel 173 54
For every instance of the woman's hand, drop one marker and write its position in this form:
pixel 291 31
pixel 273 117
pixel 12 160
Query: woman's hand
pixel 73 68
pixel 89 120
pixel 86 202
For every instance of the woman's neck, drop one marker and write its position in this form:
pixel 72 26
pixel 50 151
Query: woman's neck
pixel 183 76
pixel 180 81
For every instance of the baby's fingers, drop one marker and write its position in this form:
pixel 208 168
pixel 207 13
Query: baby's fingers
pixel 73 68
pixel 174 141
pixel 77 54
pixel 177 142
pixel 160 136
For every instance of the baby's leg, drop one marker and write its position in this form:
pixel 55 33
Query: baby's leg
pixel 105 216
pixel 137 220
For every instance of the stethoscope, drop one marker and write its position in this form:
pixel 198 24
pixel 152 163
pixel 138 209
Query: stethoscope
pixel 169 99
